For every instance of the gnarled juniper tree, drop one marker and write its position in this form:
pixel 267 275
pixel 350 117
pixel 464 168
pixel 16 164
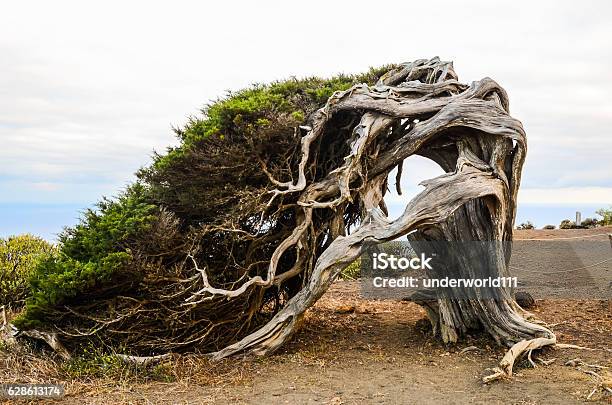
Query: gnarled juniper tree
pixel 227 239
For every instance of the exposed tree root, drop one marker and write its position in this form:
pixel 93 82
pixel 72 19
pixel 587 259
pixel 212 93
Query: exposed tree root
pixel 578 362
pixel 54 343
pixel 51 339
pixel 504 369
pixel 570 346
pixel 144 361
pixel 469 349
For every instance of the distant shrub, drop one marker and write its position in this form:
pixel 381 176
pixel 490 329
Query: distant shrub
pixel 606 216
pixel 567 224
pixel 19 256
pixel 549 227
pixel 526 225
pixel 589 223
pixel 352 271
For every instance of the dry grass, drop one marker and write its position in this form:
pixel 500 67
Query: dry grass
pixel 94 374
pixel 98 377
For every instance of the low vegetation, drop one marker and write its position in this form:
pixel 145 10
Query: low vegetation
pixel 352 271
pixel 19 257
pixel 589 223
pixel 526 225
pixel 606 216
pixel 567 224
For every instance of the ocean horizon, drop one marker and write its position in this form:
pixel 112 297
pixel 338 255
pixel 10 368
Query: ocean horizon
pixel 48 220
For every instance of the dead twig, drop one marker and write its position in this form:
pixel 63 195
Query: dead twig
pixel 469 349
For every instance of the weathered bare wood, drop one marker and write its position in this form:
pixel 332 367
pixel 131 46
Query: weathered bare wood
pixel 143 361
pixel 51 339
pixel 505 366
pixel 465 129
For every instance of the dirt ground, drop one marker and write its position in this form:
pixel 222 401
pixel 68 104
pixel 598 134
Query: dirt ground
pixel 354 351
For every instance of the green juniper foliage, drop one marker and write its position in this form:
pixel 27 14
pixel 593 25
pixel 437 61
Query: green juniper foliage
pixel 252 108
pixel 123 272
pixel 94 255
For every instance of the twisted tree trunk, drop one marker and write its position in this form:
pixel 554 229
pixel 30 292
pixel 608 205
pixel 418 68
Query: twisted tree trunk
pixel 420 109
pixel 279 241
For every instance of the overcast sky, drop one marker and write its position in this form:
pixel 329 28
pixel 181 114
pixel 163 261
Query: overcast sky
pixel 88 90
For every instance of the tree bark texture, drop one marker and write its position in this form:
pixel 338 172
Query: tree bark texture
pixel 418 109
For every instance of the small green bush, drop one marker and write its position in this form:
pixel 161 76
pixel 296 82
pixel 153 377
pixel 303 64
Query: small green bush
pixel 19 256
pixel 352 271
pixel 567 224
pixel 526 225
pixel 549 227
pixel 95 361
pixel 589 223
pixel 606 216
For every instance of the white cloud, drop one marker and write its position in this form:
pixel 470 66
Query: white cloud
pixel 45 186
pixel 88 90
pixel 566 195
